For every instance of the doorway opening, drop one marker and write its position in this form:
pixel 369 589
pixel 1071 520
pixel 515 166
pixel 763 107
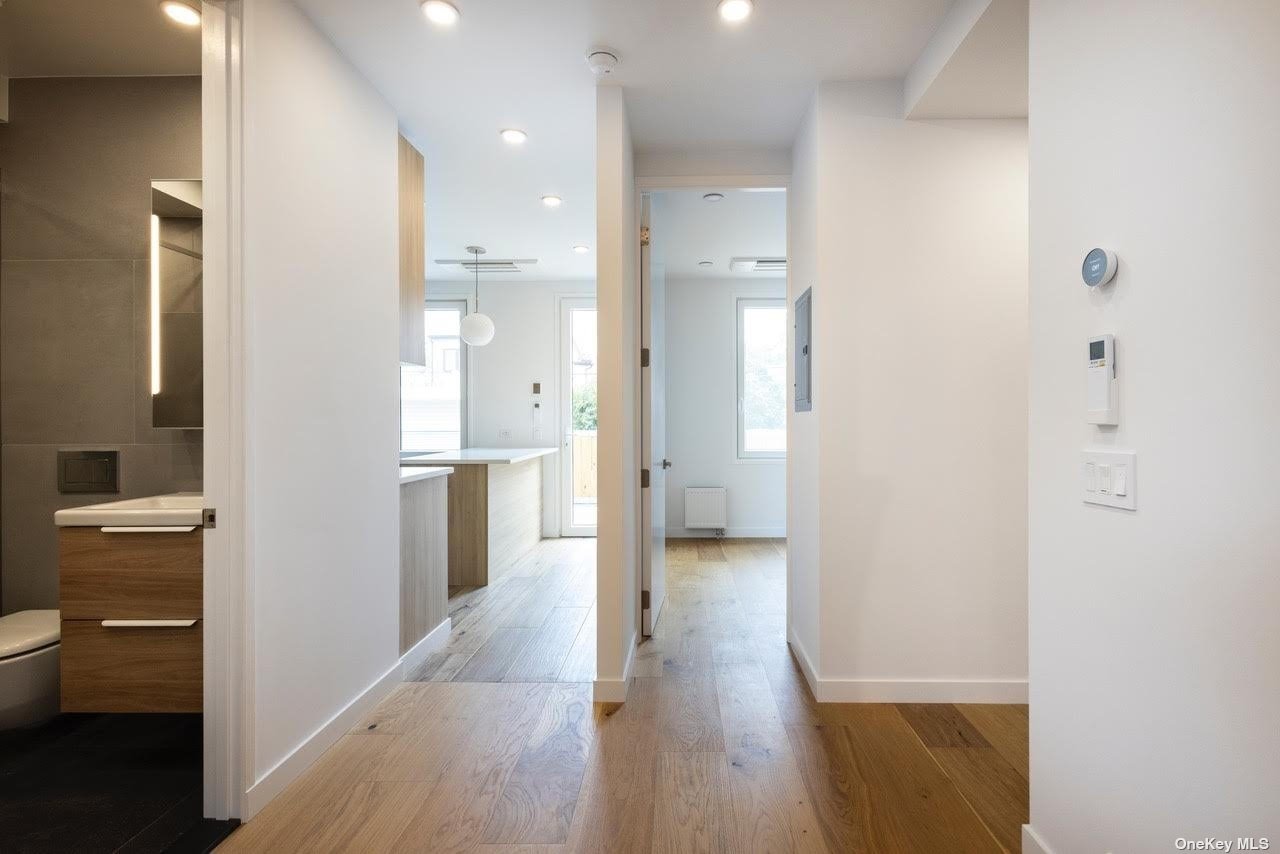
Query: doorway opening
pixel 715 329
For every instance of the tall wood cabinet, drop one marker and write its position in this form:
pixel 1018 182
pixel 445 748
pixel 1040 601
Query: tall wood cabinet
pixel 413 263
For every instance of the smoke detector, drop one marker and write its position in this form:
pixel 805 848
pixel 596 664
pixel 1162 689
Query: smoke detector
pixel 602 61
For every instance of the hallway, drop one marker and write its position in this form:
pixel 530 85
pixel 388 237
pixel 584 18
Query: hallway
pixel 720 747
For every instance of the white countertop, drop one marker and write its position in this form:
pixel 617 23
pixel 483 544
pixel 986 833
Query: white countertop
pixel 412 474
pixel 478 456
pixel 177 509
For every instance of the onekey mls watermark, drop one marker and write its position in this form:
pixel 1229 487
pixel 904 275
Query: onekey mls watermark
pixel 1215 843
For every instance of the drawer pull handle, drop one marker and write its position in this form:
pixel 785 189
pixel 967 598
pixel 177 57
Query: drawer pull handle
pixel 148 624
pixel 148 529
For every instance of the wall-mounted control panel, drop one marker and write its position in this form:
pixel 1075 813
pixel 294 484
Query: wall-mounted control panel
pixel 1102 381
pixel 1110 478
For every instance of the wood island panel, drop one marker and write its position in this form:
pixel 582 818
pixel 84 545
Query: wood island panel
pixel 495 519
pixel 515 513
pixel 468 526
pixel 424 559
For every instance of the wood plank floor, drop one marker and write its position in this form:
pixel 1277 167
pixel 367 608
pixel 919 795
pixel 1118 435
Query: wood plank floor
pixel 495 746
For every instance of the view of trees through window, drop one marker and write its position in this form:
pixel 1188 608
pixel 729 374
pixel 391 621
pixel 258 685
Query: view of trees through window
pixel 762 378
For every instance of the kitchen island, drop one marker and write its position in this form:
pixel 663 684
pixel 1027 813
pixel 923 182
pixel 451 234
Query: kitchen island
pixel 495 508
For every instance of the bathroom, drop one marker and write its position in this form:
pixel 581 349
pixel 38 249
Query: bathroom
pixel 100 402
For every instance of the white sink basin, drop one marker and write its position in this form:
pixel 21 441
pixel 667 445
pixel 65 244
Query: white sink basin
pixel 178 509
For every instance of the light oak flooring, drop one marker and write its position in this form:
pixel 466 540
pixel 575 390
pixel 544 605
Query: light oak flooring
pixel 720 746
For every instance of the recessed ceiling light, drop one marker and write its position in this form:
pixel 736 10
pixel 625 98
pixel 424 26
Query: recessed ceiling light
pixel 713 197
pixel 514 136
pixel 440 12
pixel 581 250
pixel 551 201
pixel 181 13
pixel 704 263
pixel 734 11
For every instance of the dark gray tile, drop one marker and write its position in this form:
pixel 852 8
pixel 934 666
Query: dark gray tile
pixel 79 157
pixel 29 493
pixel 67 351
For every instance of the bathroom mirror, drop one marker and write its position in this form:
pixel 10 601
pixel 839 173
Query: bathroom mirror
pixel 176 297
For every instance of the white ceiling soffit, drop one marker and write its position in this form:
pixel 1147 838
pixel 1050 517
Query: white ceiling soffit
pixel 692 83
pixel 94 38
pixel 746 225
pixel 975 66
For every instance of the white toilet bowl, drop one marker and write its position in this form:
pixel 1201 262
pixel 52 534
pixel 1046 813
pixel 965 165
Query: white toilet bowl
pixel 28 668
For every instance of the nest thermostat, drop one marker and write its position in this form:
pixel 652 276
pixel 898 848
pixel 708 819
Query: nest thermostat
pixel 1099 267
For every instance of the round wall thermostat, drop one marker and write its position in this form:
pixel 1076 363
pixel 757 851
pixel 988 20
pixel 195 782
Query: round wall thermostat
pixel 1099 267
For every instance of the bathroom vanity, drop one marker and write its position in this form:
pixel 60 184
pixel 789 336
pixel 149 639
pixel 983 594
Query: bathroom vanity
pixel 130 587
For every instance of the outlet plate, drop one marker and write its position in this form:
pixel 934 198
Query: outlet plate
pixel 1110 478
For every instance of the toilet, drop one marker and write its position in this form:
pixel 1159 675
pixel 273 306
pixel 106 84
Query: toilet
pixel 28 668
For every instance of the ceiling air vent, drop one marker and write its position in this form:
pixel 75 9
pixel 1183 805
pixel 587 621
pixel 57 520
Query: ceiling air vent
pixel 758 265
pixel 490 265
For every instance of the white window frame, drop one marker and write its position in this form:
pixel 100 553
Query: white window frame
pixel 463 304
pixel 742 304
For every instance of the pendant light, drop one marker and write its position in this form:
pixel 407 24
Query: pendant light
pixel 477 328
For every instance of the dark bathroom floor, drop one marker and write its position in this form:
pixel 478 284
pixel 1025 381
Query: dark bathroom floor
pixel 104 783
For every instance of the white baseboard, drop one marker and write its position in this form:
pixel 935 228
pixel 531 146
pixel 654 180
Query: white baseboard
pixel 806 663
pixel 284 772
pixel 731 533
pixel 1032 843
pixel 435 640
pixel 920 691
pixel 615 690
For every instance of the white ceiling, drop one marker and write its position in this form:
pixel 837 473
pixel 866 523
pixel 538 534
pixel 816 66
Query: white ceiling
pixel 986 75
pixel 692 82
pixel 93 38
pixel 744 223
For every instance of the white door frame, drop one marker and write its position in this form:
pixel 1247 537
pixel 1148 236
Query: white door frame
pixel 564 415
pixel 228 736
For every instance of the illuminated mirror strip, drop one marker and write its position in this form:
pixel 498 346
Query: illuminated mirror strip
pixel 155 304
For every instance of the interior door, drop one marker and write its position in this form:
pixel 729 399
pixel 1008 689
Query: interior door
pixel 653 429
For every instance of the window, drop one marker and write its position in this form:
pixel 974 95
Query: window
pixel 762 378
pixel 433 400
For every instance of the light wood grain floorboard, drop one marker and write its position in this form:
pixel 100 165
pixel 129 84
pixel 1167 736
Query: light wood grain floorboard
pixel 720 746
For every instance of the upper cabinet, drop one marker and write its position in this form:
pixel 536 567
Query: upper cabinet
pixel 413 262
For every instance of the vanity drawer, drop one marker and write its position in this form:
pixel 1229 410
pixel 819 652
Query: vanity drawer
pixel 143 669
pixel 130 576
pixel 91 548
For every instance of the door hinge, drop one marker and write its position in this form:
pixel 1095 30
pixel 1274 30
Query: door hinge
pixel 644 478
pixel 209 518
pixel 644 600
pixel 644 235
pixel 644 357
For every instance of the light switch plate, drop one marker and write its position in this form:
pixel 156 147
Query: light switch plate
pixel 1110 478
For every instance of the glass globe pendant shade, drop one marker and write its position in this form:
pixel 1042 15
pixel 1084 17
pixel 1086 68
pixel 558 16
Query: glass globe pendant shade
pixel 477 329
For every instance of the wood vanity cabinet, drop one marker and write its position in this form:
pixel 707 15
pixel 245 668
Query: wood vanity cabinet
pixel 109 580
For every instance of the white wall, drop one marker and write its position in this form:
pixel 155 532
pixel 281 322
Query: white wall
pixel 321 282
pixel 702 406
pixel 1155 646
pixel 922 340
pixel 525 350
pixel 617 281
pixel 804 475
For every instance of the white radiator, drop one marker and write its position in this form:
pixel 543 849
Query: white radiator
pixel 706 507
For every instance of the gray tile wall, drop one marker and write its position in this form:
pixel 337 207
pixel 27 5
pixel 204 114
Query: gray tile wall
pixel 76 163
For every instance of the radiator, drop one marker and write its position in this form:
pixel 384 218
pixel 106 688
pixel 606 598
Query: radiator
pixel 706 507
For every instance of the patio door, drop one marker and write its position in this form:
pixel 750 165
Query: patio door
pixel 578 365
